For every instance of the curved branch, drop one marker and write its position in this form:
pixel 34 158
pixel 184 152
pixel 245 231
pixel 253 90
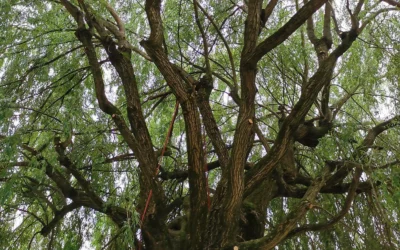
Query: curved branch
pixel 392 2
pixel 30 213
pixel 346 207
pixel 268 11
pixel 58 216
pixel 114 14
pixel 327 34
pixel 373 16
pixel 361 150
pixel 339 104
pixel 75 13
pixel 262 138
pixel 180 84
pixel 280 232
pixel 285 31
pixel 285 136
pixel 377 130
pixel 310 29
pixel 335 22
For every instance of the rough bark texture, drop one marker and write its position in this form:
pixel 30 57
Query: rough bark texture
pixel 238 212
pixel 238 202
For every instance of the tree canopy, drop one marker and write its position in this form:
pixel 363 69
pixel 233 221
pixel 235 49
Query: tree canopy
pixel 199 124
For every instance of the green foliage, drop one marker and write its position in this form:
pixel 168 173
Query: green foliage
pixel 48 91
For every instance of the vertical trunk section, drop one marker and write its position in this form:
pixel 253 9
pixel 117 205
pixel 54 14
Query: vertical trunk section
pixel 197 180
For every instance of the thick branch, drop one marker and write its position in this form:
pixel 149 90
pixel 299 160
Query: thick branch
pixel 377 130
pixel 262 138
pixel 105 105
pixel 182 175
pixel 296 192
pixel 75 13
pixel 58 216
pixel 268 11
pixel 327 23
pixel 361 150
pixel 310 29
pixel 262 169
pixel 352 192
pixel 114 14
pixel 392 2
pixel 182 88
pixel 210 122
pixel 282 230
pixel 285 31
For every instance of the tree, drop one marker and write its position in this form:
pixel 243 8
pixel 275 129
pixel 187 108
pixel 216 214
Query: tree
pixel 199 125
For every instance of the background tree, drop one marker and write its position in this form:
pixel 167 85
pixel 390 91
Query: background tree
pixel 199 125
